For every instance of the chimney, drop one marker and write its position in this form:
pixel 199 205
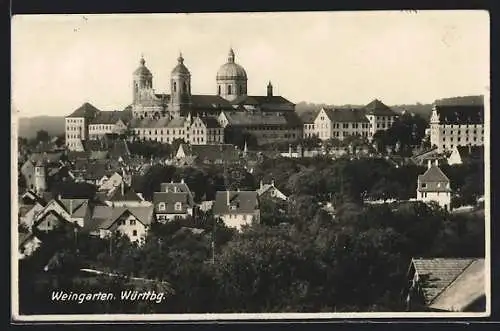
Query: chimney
pixel 290 150
pixel 272 183
pixel 227 198
pixel 182 180
pixel 429 164
pixel 59 197
pixel 261 184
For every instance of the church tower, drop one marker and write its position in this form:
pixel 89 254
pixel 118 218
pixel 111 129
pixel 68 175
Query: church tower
pixel 180 89
pixel 142 79
pixel 269 89
pixel 40 184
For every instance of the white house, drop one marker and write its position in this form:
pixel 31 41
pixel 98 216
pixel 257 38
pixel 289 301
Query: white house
pixel 433 185
pixel 270 191
pixel 237 208
pixel 175 201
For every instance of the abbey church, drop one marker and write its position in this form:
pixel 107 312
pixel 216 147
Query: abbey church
pixel 194 118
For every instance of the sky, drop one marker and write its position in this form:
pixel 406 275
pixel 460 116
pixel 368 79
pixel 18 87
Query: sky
pixel 61 61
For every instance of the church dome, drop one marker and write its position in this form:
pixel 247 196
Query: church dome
pixel 143 70
pixel 180 68
pixel 231 70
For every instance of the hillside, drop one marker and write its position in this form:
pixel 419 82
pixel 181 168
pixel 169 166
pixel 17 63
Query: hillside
pixel 28 126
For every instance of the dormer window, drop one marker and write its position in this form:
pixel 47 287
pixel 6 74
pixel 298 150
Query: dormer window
pixel 232 207
pixel 178 206
pixel 424 185
pixel 161 206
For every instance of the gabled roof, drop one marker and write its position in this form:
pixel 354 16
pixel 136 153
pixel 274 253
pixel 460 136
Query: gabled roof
pixel 261 100
pixel 177 122
pixel 177 187
pixel 75 207
pixel 433 174
pixel 464 290
pixel 245 202
pixel 211 153
pixel 240 118
pixel 437 274
pixel 378 108
pixel 309 116
pixel 149 123
pixel 86 110
pixel 144 214
pixel 346 115
pixel 209 102
pixel 50 157
pixel 459 114
pixel 211 122
pixel 170 198
pixel 265 188
pixel 470 152
pixel 470 100
pixel 115 194
pixel 107 117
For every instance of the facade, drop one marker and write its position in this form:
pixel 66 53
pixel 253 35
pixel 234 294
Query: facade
pixel 237 208
pixel 434 186
pixel 59 211
pixel 174 201
pixel 341 123
pixel 181 114
pixel 445 284
pixel 380 116
pixel 457 122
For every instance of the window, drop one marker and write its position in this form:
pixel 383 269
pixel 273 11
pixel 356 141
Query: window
pixel 233 207
pixel 184 88
pixel 424 185
pixel 134 233
pixel 219 89
pixel 132 222
pixel 178 206
pixel 161 206
pixel 229 90
pixel 175 87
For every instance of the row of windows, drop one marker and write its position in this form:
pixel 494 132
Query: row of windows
pixel 73 128
pixel 73 136
pixel 459 126
pixel 244 217
pixel 466 131
pixel 459 140
pixel 275 135
pixel 74 120
pixel 124 222
pixel 145 132
pixel 101 127
pixel 354 125
pixel 229 89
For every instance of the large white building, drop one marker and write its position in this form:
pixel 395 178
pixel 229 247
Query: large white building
pixel 457 122
pixel 434 185
pixel 340 123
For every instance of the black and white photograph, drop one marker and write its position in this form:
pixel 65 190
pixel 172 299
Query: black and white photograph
pixel 250 166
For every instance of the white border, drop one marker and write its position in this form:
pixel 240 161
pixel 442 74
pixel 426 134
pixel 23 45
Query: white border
pixel 89 318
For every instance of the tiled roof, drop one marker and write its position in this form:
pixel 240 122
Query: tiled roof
pixel 225 152
pixel 170 198
pixel 289 119
pixel 177 122
pixel 177 187
pixel 149 123
pixel 470 100
pixel 309 117
pixel 467 287
pixel 86 110
pixel 261 100
pixel 129 194
pixel 460 114
pixel 107 117
pixel 209 102
pixel 378 108
pixel 24 209
pixel 245 202
pixel 346 115
pixel 144 214
pixel 46 157
pixel 77 206
pixel 98 155
pixel 439 273
pixel 433 175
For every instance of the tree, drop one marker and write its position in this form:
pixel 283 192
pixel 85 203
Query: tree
pixel 42 135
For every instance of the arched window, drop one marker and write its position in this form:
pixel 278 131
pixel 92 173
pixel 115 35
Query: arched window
pixel 219 90
pixel 229 90
pixel 175 86
pixel 161 206
pixel 241 89
pixel 184 87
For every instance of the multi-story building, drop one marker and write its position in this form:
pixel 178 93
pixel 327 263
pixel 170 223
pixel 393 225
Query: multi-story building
pixel 457 122
pixel 380 116
pixel 434 185
pixel 77 126
pixel 237 208
pixel 341 123
pixel 107 122
pixel 174 201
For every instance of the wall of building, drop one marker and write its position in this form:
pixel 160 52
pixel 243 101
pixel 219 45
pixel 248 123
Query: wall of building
pixel 75 130
pixel 447 136
pixel 442 198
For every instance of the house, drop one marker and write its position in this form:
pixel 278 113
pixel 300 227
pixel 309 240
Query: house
pixel 457 122
pixel 466 154
pixel 446 284
pixel 269 191
pixel 208 154
pixel 28 243
pixel 63 212
pixel 307 119
pixel 433 185
pixel 341 123
pixel 380 116
pixel 27 213
pixel 132 222
pixel 175 201
pixel 237 208
pixel 122 196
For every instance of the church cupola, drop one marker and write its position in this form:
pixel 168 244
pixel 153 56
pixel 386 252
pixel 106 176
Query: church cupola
pixel 269 89
pixel 180 88
pixel 231 79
